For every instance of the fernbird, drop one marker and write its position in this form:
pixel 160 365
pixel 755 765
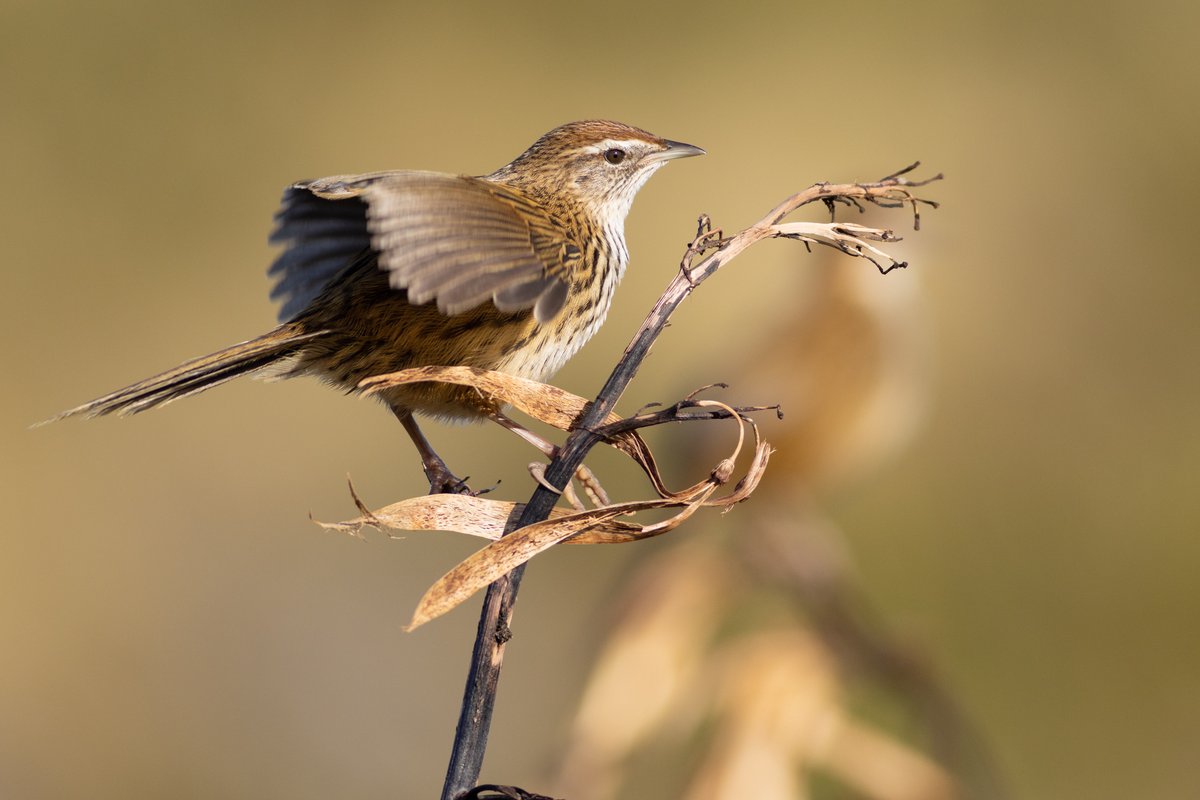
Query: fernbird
pixel 512 271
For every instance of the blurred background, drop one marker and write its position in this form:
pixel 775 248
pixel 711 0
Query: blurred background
pixel 1000 442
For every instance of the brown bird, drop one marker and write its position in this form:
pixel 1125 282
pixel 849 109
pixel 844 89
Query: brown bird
pixel 512 271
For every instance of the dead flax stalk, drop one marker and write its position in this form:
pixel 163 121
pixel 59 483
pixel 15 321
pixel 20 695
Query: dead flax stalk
pixel 493 633
pixel 488 518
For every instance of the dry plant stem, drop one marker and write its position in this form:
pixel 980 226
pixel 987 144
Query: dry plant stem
pixel 493 633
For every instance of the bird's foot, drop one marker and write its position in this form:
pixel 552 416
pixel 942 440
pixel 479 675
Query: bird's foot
pixel 443 481
pixel 590 483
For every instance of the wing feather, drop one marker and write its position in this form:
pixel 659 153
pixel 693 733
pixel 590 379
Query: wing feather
pixel 321 238
pixel 457 240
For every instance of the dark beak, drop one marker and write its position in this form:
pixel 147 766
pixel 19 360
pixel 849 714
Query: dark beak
pixel 678 150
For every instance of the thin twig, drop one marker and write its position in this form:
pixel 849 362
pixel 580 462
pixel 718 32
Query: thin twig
pixel 493 634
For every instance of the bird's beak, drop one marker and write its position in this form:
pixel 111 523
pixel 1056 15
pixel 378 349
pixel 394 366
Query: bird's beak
pixel 677 150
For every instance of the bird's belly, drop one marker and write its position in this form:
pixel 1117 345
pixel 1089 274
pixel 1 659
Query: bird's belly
pixel 374 330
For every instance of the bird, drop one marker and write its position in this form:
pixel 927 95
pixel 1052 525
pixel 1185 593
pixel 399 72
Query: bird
pixel 512 271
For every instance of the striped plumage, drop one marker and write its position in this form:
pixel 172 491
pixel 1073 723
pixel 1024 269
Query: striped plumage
pixel 512 271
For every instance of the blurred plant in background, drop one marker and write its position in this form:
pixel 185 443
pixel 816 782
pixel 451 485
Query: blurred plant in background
pixel 753 651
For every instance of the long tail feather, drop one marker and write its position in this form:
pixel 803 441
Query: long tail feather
pixel 196 375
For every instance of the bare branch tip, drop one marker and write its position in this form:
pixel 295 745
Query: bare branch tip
pixel 898 173
pixel 717 385
pixel 362 507
pixel 349 528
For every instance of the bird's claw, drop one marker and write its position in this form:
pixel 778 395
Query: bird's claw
pixel 443 481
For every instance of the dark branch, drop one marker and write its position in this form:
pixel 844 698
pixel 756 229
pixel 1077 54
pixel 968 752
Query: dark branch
pixel 683 411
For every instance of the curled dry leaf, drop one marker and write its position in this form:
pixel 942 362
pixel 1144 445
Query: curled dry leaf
pixel 510 551
pixel 559 408
pixel 490 519
pixel 550 404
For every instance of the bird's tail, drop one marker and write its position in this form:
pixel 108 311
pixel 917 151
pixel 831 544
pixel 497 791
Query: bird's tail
pixel 196 375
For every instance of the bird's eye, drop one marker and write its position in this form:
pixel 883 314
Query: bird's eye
pixel 614 155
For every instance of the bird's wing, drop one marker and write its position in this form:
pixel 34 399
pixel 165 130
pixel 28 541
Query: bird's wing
pixel 457 240
pixel 323 225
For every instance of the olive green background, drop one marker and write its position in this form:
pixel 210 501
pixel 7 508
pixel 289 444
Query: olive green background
pixel 172 625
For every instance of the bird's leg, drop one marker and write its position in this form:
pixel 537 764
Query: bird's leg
pixel 587 479
pixel 441 479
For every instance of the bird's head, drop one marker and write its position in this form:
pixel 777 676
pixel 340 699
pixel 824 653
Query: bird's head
pixel 597 164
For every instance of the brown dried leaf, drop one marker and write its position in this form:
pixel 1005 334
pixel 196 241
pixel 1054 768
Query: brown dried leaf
pixel 550 404
pixel 500 557
pixel 505 554
pixel 554 406
pixel 489 518
pixel 474 516
pixel 509 552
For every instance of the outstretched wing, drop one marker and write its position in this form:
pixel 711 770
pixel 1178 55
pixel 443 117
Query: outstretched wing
pixel 455 240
